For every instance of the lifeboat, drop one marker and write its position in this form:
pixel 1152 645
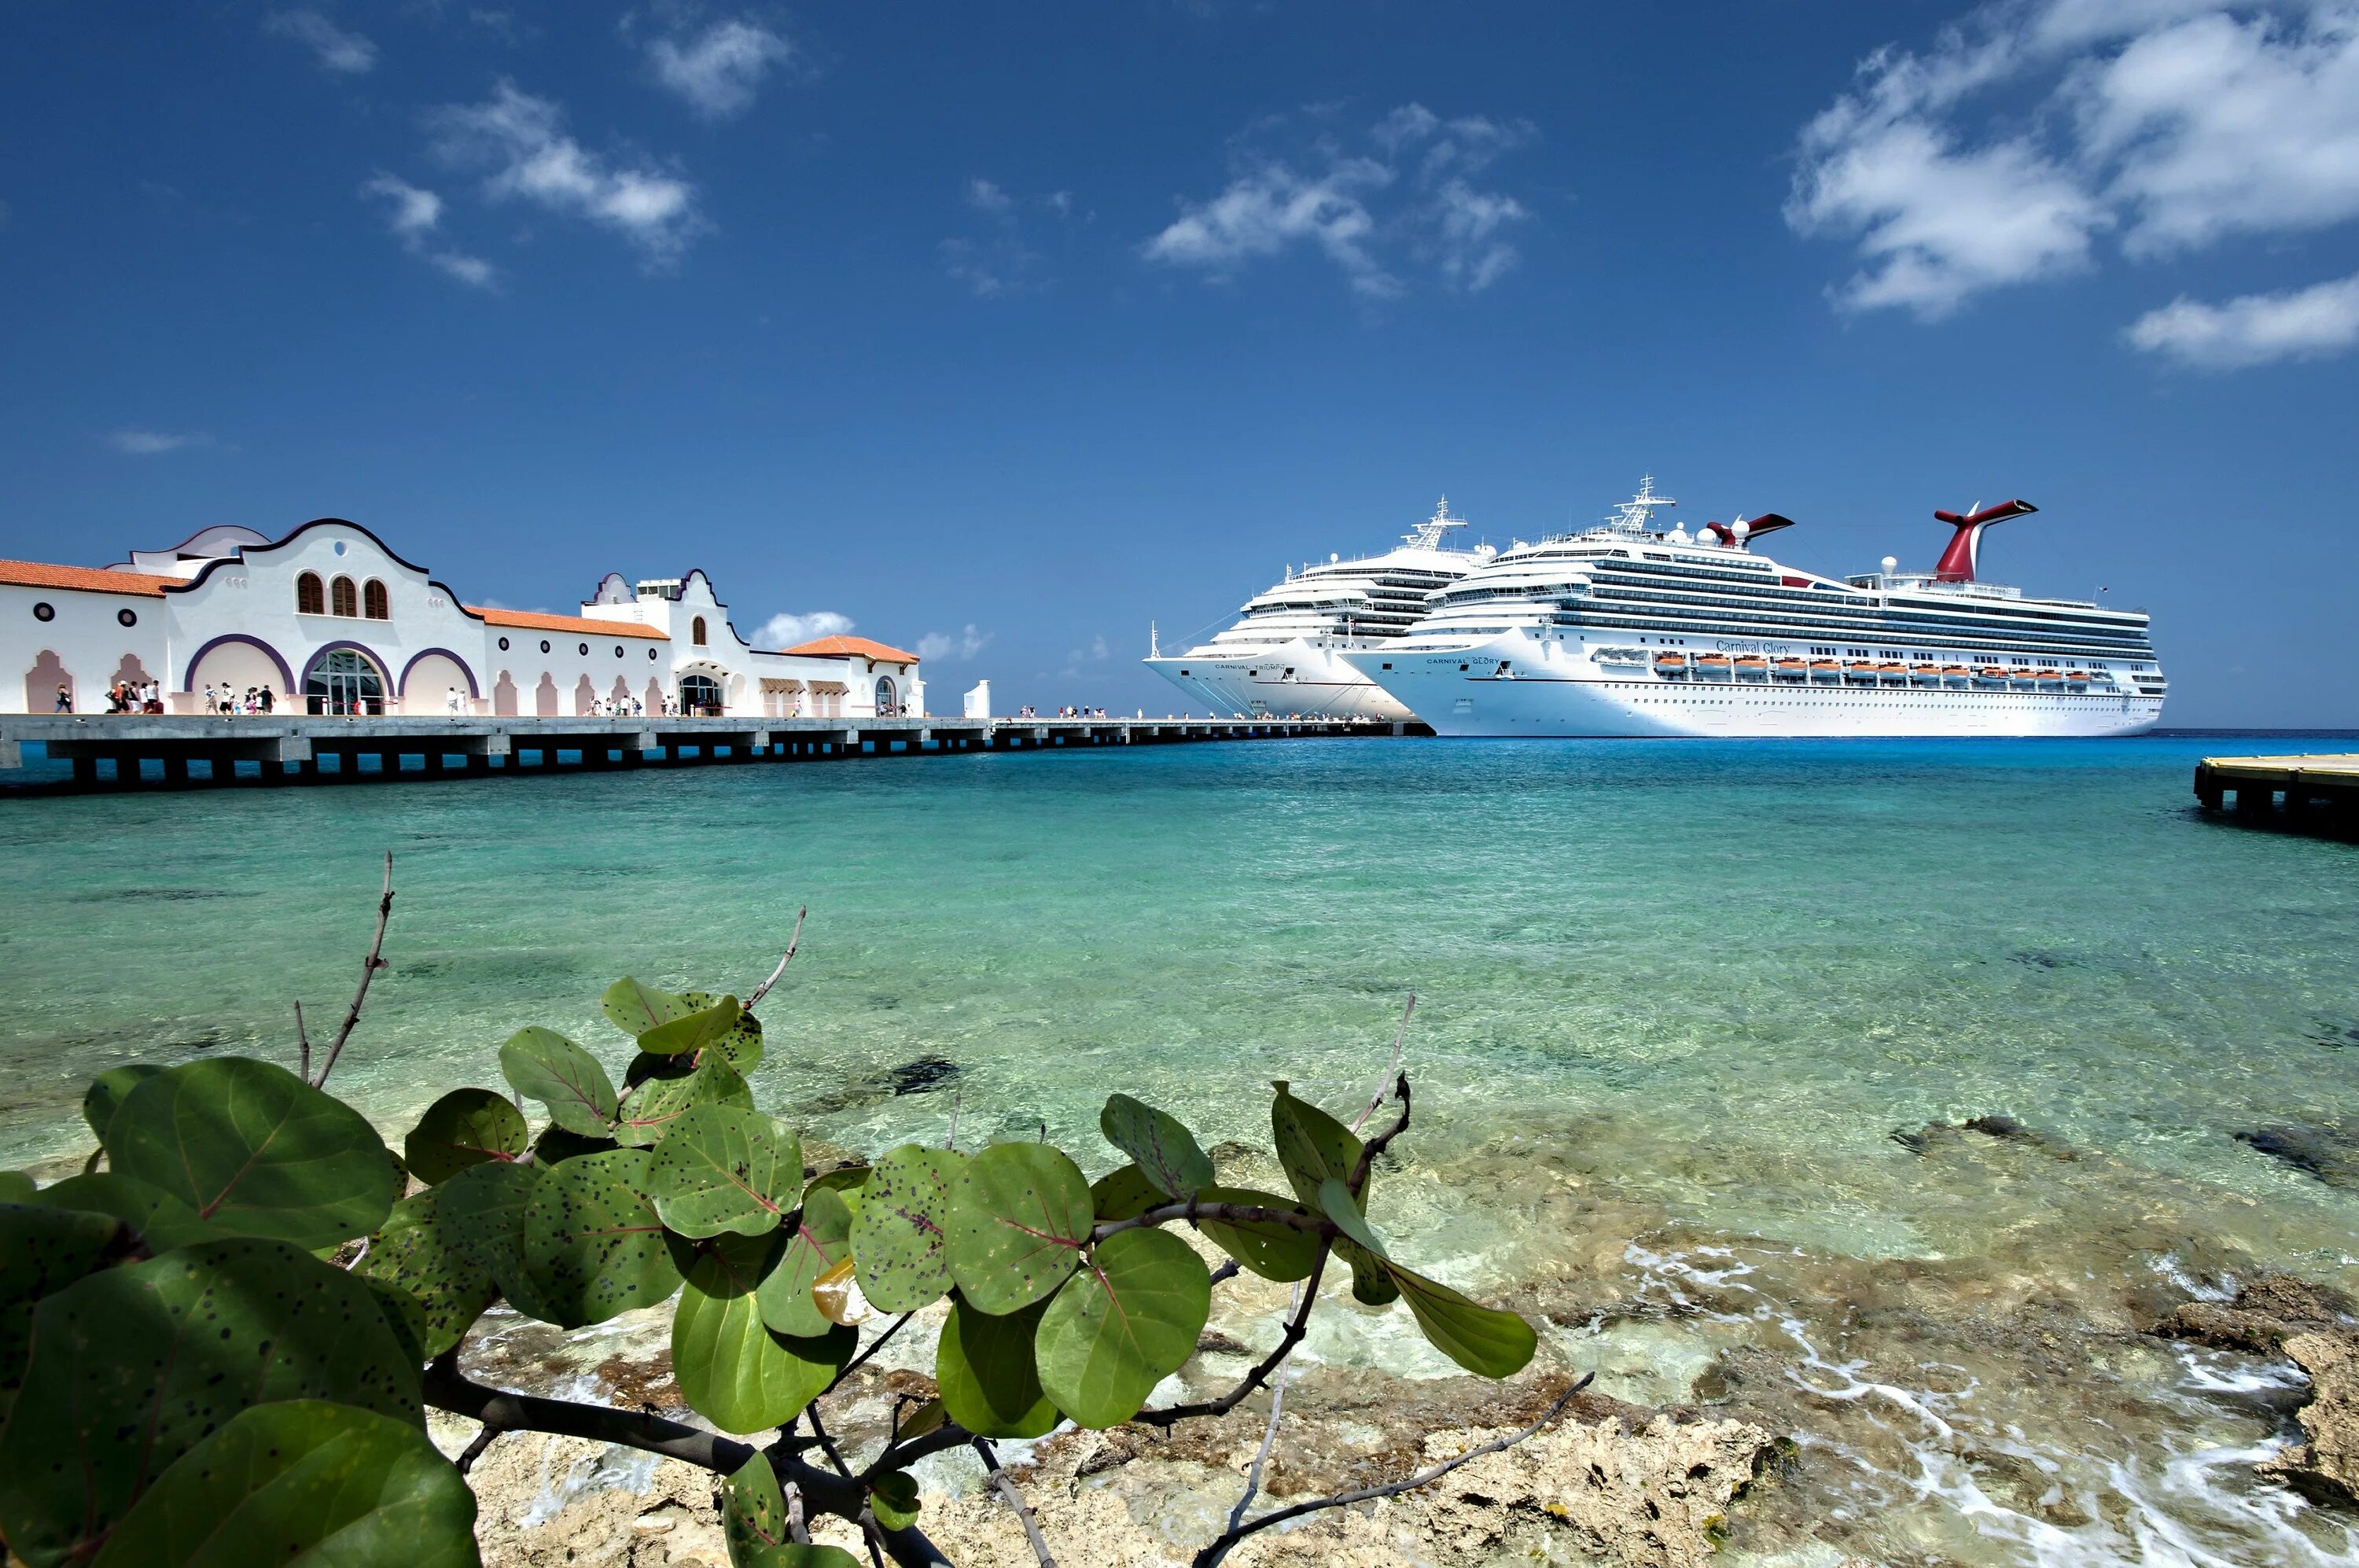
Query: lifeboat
pixel 2078 679
pixel 1925 674
pixel 1672 664
pixel 1990 677
pixel 1792 669
pixel 1712 666
pixel 2024 676
pixel 1752 667
pixel 1893 674
pixel 1862 671
pixel 1826 669
pixel 1955 674
pixel 2051 680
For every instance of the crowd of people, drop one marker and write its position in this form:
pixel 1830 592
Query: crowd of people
pixel 126 696
pixel 226 700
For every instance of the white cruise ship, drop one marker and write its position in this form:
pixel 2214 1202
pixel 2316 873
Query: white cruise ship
pixel 1284 653
pixel 1632 629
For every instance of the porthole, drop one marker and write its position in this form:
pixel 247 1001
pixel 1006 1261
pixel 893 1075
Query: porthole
pixel 504 645
pixel 585 648
pixel 618 650
pixel 544 645
pixel 339 547
pixel 127 617
pixel 652 654
pixel 44 611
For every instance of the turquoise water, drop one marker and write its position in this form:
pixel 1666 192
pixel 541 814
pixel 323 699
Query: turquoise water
pixel 1705 983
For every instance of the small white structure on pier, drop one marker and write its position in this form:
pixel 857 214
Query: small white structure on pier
pixel 331 621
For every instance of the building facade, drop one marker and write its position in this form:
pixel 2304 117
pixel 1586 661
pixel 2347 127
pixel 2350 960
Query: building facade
pixel 329 619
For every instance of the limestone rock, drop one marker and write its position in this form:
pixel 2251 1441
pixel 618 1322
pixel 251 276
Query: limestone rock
pixel 2327 1466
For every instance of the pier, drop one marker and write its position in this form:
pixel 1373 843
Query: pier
pixel 150 752
pixel 2320 792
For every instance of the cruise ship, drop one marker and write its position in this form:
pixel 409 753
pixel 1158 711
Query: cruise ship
pixel 1284 653
pixel 1631 628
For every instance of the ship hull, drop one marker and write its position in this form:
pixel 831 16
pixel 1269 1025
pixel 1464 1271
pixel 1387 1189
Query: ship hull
pixel 1298 679
pixel 1461 692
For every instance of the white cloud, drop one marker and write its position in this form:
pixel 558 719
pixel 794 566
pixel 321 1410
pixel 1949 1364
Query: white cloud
pixel 155 443
pixel 786 629
pixel 342 52
pixel 1413 191
pixel 521 139
pixel 985 196
pixel 2178 123
pixel 994 258
pixel 2302 323
pixel 719 70
pixel 415 214
pixel 963 644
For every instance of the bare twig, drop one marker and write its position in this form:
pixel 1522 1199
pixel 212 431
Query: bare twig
pixel 872 1536
pixel 1296 1325
pixel 1268 1441
pixel 1228 1271
pixel 827 1443
pixel 854 1364
pixel 1014 1499
pixel 475 1451
pixel 1218 1547
pixel 369 966
pixel 1192 1210
pixel 798 1531
pixel 958 1103
pixel 793 943
pixel 302 1044
pixel 1392 1072
pixel 1376 1144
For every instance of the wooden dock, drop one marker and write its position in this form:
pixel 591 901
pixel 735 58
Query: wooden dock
pixel 135 751
pixel 2320 791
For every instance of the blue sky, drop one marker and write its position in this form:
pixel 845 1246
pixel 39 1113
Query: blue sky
pixel 1009 328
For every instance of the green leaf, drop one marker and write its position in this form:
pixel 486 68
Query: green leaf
pixel 1372 1283
pixel 160 1221
pixel 1016 1228
pixel 732 1370
pixel 104 1095
pixel 42 1251
pixel 1272 1251
pixel 676 1089
pixel 1128 1320
pixel 1336 1201
pixel 1484 1340
pixel 741 1046
pixel 893 1498
pixel 403 1315
pixel 15 1187
pixel 847 1178
pixel 593 1244
pixel 635 1009
pixel 900 1234
pixel 1311 1145
pixel 1166 1151
pixel 482 1217
pixel 543 1065
pixel 465 1127
pixel 984 1366
pixel 254 1150
pixel 722 1167
pixel 555 1145
pixel 134 1367
pixel 820 1240
pixel 754 1523
pixel 305 1483
pixel 692 1031
pixel 416 1252
pixel 1123 1193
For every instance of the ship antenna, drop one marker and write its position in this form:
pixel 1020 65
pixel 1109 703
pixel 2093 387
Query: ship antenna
pixel 1152 650
pixel 1428 534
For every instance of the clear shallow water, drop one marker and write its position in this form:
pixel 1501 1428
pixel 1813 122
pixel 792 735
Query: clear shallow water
pixel 1682 990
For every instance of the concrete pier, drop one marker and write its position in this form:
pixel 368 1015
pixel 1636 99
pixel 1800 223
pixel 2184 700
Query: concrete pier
pixel 2321 792
pixel 151 752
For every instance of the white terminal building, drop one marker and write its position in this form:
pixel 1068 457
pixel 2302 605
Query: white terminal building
pixel 331 621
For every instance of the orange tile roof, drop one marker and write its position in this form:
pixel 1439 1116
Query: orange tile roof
pixel 530 621
pixel 83 579
pixel 852 648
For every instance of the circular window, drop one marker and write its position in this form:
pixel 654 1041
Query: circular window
pixel 339 547
pixel 544 645
pixel 585 648
pixel 652 654
pixel 44 611
pixel 504 645
pixel 618 650
pixel 127 617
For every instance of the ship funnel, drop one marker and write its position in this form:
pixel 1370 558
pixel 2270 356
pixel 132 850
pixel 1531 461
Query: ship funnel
pixel 1742 529
pixel 1964 553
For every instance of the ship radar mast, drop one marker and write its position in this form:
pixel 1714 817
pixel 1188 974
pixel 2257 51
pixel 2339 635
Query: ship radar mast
pixel 1632 517
pixel 1428 534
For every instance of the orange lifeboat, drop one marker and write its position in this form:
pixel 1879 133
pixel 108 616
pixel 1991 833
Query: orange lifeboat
pixel 1715 665
pixel 1752 667
pixel 1793 670
pixel 1671 664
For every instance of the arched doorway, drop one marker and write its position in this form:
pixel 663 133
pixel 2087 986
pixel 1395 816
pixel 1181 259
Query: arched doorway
pixel 699 695
pixel 428 685
pixel 239 664
pixel 886 702
pixel 544 696
pixel 343 681
pixel 585 698
pixel 504 696
pixel 654 701
pixel 41 683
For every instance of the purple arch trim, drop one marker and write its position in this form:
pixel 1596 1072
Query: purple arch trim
pixel 326 648
pixel 466 669
pixel 286 676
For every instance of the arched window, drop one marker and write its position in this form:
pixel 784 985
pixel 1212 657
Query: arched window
pixel 342 599
pixel 343 681
pixel 885 697
pixel 310 599
pixel 700 694
pixel 374 602
pixel 696 631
